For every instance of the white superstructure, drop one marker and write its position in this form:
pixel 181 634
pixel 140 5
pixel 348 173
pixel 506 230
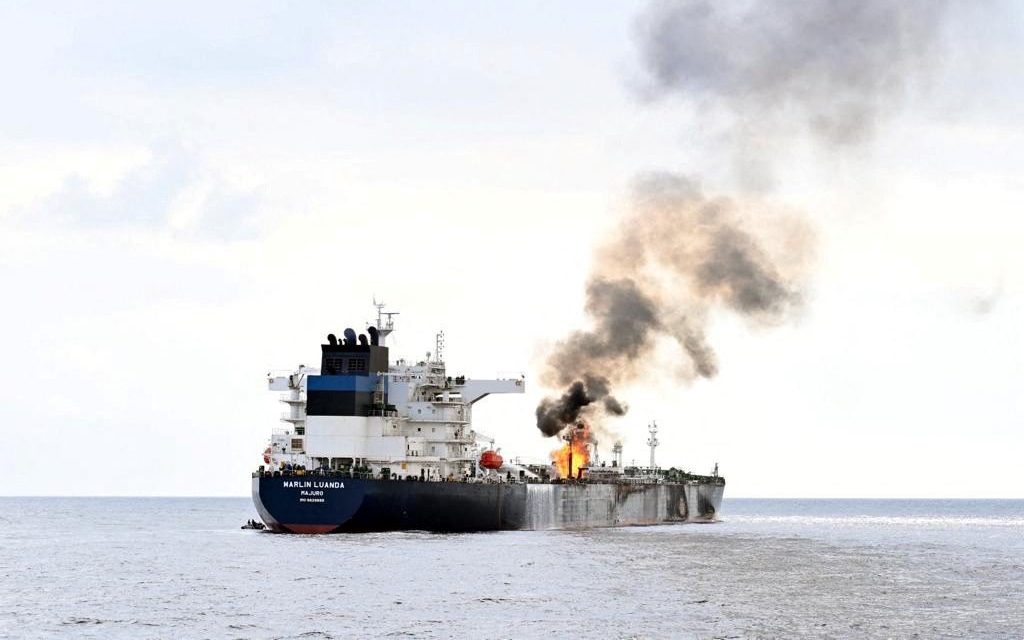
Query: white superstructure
pixel 419 420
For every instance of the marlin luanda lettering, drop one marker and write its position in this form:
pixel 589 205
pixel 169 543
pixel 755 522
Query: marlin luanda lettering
pixel 313 484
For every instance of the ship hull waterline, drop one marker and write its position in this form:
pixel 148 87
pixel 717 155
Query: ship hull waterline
pixel 326 504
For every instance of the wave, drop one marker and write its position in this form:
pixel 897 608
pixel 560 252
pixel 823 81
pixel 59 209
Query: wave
pixel 915 521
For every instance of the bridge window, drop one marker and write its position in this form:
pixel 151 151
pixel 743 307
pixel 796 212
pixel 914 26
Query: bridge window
pixel 332 364
pixel 356 365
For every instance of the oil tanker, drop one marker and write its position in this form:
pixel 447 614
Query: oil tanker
pixel 372 445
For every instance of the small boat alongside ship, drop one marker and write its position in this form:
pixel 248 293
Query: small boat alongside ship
pixel 376 446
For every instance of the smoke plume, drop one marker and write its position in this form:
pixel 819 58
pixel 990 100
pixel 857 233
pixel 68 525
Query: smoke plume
pixel 776 71
pixel 553 414
pixel 827 68
pixel 677 256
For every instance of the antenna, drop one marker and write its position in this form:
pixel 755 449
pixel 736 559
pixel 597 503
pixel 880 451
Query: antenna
pixel 439 348
pixel 652 442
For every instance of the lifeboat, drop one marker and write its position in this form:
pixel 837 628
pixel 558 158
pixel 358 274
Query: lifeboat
pixel 266 455
pixel 491 460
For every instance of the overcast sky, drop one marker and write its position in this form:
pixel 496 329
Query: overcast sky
pixel 192 195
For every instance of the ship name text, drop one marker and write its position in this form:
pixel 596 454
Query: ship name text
pixel 313 484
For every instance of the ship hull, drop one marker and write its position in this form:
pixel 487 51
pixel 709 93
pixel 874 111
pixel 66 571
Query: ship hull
pixel 325 504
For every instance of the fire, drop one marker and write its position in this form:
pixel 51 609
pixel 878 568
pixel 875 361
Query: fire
pixel 574 453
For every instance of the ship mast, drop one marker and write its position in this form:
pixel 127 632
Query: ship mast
pixel 617 454
pixel 385 321
pixel 652 442
pixel 439 348
pixel 568 438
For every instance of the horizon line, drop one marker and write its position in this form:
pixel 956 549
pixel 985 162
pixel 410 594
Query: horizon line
pixel 234 496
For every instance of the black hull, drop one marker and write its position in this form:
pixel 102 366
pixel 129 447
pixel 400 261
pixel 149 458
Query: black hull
pixel 323 504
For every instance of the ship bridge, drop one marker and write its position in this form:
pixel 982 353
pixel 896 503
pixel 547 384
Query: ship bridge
pixel 396 420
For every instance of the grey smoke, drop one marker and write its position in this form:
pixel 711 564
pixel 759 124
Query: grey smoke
pixel 624 320
pixel 983 303
pixel 677 256
pixel 830 69
pixel 833 65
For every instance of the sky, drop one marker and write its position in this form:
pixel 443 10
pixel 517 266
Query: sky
pixel 193 195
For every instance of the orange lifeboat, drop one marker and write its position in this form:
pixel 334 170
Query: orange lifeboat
pixel 491 460
pixel 266 455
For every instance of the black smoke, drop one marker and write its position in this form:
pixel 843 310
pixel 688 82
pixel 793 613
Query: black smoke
pixel 677 256
pixel 553 414
pixel 827 70
pixel 624 320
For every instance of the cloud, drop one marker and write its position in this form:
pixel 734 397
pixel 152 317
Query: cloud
pixel 982 304
pixel 171 191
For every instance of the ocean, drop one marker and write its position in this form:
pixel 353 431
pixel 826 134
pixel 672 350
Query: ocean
pixel 182 568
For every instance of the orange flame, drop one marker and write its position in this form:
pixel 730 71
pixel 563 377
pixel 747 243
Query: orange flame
pixel 575 452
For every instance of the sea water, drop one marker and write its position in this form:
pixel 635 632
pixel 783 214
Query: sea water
pixel 182 568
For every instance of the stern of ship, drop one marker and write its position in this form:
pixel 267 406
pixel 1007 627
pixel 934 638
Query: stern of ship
pixel 306 504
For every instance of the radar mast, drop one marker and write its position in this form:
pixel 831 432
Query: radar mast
pixel 385 321
pixel 652 442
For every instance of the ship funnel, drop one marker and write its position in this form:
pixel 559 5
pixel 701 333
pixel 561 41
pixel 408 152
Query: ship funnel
pixel 332 339
pixel 362 340
pixel 374 336
pixel 350 337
